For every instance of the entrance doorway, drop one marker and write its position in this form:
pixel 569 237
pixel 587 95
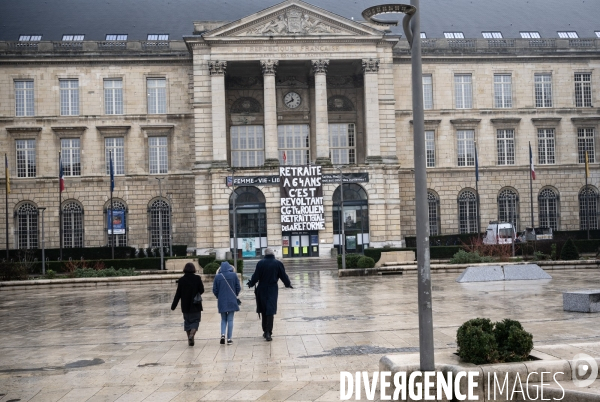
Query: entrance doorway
pixel 300 244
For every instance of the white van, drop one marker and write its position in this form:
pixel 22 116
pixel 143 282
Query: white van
pixel 499 233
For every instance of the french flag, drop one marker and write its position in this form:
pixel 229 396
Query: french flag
pixel 532 168
pixel 61 174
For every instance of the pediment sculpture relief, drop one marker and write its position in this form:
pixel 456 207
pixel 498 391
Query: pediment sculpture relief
pixel 294 22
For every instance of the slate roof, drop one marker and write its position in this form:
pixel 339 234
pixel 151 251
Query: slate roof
pixel 137 18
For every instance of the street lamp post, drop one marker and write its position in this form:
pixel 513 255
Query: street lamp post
pixel 233 197
pixel 412 29
pixel 160 234
pixel 43 242
pixel 169 196
pixel 343 237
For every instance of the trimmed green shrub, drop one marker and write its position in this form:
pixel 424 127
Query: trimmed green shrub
pixel 240 265
pixel 464 257
pixel 569 251
pixel 365 262
pixel 50 274
pixel 211 268
pixel 142 253
pixel 480 341
pixel 476 341
pixel 179 250
pixel 205 259
pixel 351 260
pixel 103 273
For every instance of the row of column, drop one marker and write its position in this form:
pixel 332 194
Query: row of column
pixel 217 71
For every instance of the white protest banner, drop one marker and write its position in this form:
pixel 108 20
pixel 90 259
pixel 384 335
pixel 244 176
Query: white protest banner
pixel 301 198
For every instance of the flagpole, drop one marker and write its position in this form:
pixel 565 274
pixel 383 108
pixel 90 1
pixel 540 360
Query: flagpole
pixel 477 189
pixel 587 199
pixel 6 199
pixel 112 223
pixel 60 226
pixel 531 184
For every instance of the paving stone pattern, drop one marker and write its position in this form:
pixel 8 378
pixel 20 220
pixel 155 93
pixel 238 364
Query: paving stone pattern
pixel 125 344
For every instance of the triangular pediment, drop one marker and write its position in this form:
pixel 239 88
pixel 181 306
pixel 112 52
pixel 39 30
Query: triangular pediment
pixel 293 18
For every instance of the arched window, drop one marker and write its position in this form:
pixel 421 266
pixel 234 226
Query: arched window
pixel 27 226
pixel 434 223
pixel 548 207
pixel 250 220
pixel 467 212
pixel 588 208
pixel 355 217
pixel 119 223
pixel 508 207
pixel 160 223
pixel 72 218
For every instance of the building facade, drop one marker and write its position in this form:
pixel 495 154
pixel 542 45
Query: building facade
pixel 188 120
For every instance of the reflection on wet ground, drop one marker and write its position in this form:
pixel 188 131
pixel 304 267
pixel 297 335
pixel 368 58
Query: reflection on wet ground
pixel 124 343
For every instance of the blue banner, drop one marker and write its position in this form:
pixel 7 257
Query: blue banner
pixel 118 224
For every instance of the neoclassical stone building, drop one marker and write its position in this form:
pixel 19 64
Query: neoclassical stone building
pixel 186 116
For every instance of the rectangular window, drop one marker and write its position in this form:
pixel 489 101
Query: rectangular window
pixel 117 147
pixel 585 142
pixel 157 95
pixel 158 149
pixel 342 144
pixel 492 35
pixel 466 147
pixel 502 90
pixel 113 96
pixel 568 34
pixel 71 156
pixel 454 35
pixel 247 146
pixel 506 147
pixel 530 35
pixel 427 92
pixel 294 145
pixel 116 37
pixel 26 158
pixel 463 89
pixel 583 89
pixel 430 147
pixel 70 38
pixel 69 97
pixel 30 38
pixel 158 36
pixel 24 98
pixel 424 35
pixel 546 146
pixel 543 90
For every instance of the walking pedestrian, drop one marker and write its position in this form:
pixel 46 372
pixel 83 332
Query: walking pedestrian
pixel 268 272
pixel 189 289
pixel 226 288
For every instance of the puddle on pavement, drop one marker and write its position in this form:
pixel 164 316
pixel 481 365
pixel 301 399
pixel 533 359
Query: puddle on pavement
pixel 76 364
pixel 361 350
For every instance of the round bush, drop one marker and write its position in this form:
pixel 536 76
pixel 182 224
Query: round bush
pixel 476 341
pixel 569 251
pixel 365 262
pixel 211 268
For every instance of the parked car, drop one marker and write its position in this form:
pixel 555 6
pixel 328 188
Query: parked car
pixel 499 233
pixel 531 234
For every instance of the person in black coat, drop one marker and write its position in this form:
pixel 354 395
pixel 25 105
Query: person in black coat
pixel 268 271
pixel 188 286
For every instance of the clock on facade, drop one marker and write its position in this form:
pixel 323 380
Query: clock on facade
pixel 292 100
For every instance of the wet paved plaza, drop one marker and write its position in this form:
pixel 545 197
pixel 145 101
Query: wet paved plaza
pixel 123 343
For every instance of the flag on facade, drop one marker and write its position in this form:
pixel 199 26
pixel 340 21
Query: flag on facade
pixel 476 166
pixel 284 158
pixel 61 174
pixel 531 167
pixel 112 174
pixel 587 166
pixel 7 174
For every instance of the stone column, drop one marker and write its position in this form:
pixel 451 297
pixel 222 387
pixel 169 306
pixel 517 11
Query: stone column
pixel 270 97
pixel 219 126
pixel 322 123
pixel 371 88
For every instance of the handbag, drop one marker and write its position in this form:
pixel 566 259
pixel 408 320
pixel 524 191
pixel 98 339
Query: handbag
pixel 197 299
pixel 239 302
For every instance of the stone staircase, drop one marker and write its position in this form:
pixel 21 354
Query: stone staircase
pixel 298 264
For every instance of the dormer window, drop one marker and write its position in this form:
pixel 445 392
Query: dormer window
pixel 492 35
pixel 30 38
pixel 454 35
pixel 72 38
pixel 118 37
pixel 158 36
pixel 598 34
pixel 423 35
pixel 567 34
pixel 530 35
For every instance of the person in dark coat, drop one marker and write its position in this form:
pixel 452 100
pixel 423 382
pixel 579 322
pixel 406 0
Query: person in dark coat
pixel 226 288
pixel 188 286
pixel 268 271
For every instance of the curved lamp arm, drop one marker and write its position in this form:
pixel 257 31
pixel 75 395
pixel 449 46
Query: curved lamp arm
pixel 370 13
